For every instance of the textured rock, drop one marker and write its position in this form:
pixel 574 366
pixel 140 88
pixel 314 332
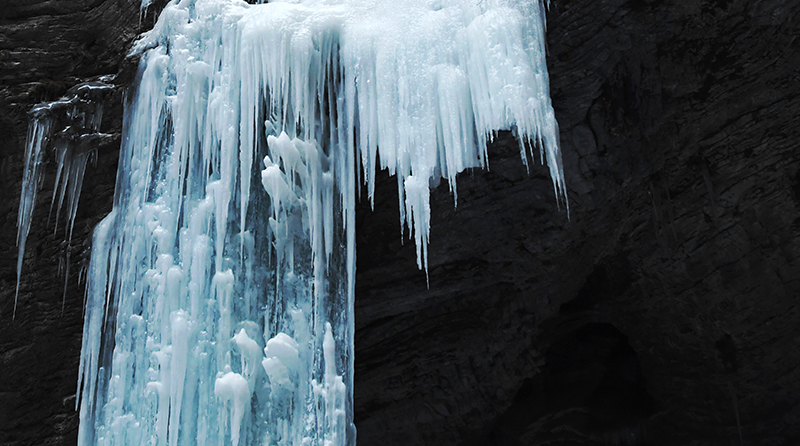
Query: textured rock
pixel 662 310
pixel 681 161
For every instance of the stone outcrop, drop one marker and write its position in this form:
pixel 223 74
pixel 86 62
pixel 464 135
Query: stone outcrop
pixel 661 310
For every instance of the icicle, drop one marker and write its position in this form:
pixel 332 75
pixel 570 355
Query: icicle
pixel 32 175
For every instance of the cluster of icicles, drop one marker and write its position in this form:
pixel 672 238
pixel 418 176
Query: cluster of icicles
pixel 219 305
pixel 70 126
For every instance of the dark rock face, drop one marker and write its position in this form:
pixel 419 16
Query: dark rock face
pixel 46 47
pixel 660 312
pixel 681 163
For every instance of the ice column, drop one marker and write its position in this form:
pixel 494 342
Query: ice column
pixel 220 293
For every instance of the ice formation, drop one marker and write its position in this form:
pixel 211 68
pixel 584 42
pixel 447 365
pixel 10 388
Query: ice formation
pixel 70 129
pixel 220 292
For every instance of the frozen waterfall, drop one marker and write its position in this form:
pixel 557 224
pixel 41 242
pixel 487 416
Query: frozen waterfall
pixel 219 307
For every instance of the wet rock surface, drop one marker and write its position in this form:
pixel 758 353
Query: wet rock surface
pixel 661 312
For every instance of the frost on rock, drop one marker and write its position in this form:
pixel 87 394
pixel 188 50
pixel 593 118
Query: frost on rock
pixel 220 291
pixel 66 130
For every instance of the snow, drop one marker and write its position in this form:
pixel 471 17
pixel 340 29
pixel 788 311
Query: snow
pixel 221 287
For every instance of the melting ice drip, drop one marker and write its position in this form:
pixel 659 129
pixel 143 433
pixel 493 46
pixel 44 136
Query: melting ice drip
pixel 70 128
pixel 220 293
